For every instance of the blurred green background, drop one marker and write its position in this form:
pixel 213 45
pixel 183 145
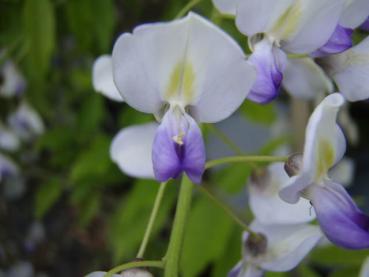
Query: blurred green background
pixel 87 214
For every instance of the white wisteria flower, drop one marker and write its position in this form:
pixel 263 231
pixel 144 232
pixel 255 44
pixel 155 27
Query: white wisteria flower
pixel 9 141
pixel 102 78
pixel 276 248
pixel 185 71
pixel 325 145
pixel 266 204
pixel 11 81
pixel 276 29
pixel 349 70
pixel 25 122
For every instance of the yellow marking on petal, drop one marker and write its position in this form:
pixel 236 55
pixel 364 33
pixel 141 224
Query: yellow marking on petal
pixel 287 23
pixel 181 83
pixel 179 138
pixel 326 157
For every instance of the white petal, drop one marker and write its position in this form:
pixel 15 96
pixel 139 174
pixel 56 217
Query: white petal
pixel 287 244
pixel 350 71
pixel 7 167
pixel 355 13
pixel 364 272
pixel 304 79
pixel 8 140
pixel 100 274
pixel 269 208
pixel 131 150
pixel 343 172
pixel 324 147
pixel 26 122
pixel 13 82
pixel 102 78
pixel 314 21
pixel 187 62
pixel 224 76
pixel 259 16
pixel 226 6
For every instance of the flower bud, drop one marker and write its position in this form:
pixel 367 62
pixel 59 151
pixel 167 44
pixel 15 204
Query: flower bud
pixel 293 165
pixel 256 244
pixel 136 272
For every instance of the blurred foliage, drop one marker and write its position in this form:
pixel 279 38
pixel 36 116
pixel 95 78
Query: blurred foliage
pixel 72 179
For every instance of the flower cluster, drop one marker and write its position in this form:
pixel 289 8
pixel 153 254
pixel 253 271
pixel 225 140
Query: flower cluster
pixel 22 126
pixel 189 71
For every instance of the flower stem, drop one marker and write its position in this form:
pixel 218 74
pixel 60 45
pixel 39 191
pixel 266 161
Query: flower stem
pixel 159 264
pixel 152 219
pixel 225 208
pixel 186 8
pixel 242 159
pixel 176 238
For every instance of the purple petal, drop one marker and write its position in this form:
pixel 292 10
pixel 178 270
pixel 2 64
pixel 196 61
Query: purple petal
pixel 340 41
pixel 339 217
pixel 270 63
pixel 365 25
pixel 178 147
pixel 236 270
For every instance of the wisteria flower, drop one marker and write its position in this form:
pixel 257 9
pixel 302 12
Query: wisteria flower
pixel 276 29
pixel 8 140
pixel 11 81
pixel 102 78
pixel 325 145
pixel 276 248
pixel 25 122
pixel 349 70
pixel 185 71
pixel 304 79
pixel 266 204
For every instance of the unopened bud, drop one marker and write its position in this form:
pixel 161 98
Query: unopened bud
pixel 256 244
pixel 293 165
pixel 136 272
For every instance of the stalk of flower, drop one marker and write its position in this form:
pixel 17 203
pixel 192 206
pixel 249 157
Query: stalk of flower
pixel 325 146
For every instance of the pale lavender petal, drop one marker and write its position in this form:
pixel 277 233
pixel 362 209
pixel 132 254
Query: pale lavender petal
pixel 270 63
pixel 236 270
pixel 178 147
pixel 340 219
pixel 365 25
pixel 340 41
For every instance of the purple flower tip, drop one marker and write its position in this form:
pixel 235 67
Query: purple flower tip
pixel 340 41
pixel 178 147
pixel 270 63
pixel 340 219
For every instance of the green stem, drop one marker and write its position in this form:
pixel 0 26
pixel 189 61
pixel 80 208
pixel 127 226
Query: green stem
pixel 176 238
pixel 159 264
pixel 186 8
pixel 225 208
pixel 153 216
pixel 242 159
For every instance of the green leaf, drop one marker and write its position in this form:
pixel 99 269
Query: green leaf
pixel 332 255
pixel 128 224
pixel 92 22
pixel 207 234
pixel 46 196
pixel 231 254
pixel 93 164
pixel 39 25
pixel 264 114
